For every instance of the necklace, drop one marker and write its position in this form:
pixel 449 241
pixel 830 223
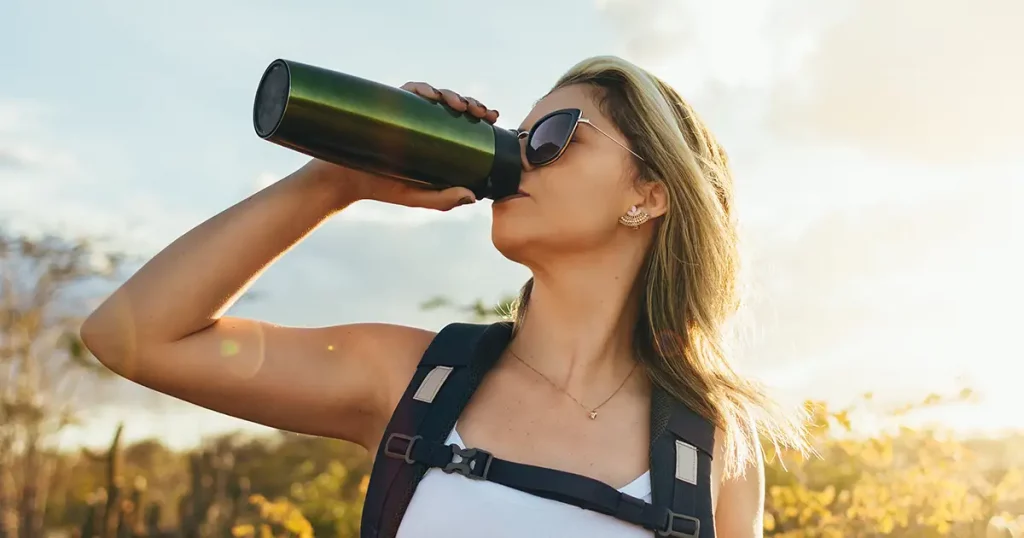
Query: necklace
pixel 591 412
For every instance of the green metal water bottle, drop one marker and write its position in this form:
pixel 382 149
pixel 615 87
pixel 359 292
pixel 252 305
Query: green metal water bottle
pixel 370 126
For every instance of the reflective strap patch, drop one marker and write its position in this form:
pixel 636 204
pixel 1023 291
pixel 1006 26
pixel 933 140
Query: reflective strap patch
pixel 432 383
pixel 686 462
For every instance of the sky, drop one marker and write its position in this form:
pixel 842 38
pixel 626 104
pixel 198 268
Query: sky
pixel 875 144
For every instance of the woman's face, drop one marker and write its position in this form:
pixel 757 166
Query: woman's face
pixel 572 204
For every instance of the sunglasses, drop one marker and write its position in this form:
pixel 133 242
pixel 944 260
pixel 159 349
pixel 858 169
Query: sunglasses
pixel 550 136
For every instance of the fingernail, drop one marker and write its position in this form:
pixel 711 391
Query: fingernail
pixel 466 200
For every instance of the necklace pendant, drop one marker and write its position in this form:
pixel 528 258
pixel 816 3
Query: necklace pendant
pixel 593 415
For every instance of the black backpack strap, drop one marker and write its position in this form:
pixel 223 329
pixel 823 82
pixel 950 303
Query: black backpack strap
pixel 682 446
pixel 568 488
pixel 448 374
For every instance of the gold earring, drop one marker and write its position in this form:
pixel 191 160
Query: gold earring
pixel 634 217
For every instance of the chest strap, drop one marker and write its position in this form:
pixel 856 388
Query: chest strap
pixel 564 487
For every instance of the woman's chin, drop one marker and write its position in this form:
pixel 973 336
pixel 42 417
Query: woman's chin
pixel 512 244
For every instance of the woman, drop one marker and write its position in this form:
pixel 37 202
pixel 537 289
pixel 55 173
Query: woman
pixel 628 233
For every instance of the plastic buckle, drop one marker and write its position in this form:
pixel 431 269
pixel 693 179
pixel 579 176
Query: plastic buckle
pixel 473 463
pixel 401 454
pixel 670 526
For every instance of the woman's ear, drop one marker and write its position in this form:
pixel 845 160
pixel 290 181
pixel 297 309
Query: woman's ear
pixel 655 198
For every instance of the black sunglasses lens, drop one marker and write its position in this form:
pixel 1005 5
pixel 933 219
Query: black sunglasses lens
pixel 548 138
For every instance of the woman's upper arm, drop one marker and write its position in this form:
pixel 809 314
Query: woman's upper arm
pixel 340 382
pixel 740 506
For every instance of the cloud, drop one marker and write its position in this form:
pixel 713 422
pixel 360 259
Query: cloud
pixel 68 186
pixel 939 81
pixel 12 158
pixel 24 144
pixel 703 47
pixel 654 30
pixel 20 114
pixel 892 297
pixel 24 157
pixel 934 81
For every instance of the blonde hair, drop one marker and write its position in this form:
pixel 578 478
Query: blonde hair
pixel 689 280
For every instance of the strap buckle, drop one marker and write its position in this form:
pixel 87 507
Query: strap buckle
pixel 401 454
pixel 670 526
pixel 472 463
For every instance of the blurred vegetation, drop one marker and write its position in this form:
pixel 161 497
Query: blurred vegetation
pixel 284 485
pixel 901 482
pixel 42 362
pixel 894 481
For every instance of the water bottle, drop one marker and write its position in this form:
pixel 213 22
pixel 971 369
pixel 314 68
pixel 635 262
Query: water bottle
pixel 377 128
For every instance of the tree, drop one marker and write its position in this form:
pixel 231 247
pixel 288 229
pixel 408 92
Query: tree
pixel 43 284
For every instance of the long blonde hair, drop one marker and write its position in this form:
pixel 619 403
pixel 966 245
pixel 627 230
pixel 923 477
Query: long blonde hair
pixel 691 273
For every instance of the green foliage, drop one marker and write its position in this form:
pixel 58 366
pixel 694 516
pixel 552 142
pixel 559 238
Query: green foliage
pixel 329 500
pixel 285 485
pixel 904 482
pixel 279 518
pixel 215 499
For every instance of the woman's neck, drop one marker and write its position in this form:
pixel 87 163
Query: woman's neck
pixel 579 324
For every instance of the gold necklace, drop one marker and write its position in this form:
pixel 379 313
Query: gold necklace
pixel 592 412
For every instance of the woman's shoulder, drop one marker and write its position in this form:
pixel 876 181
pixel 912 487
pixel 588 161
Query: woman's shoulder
pixel 738 494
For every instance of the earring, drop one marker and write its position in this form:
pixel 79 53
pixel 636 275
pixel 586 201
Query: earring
pixel 634 217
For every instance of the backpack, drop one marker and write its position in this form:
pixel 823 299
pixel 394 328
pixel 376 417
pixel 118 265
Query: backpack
pixel 682 444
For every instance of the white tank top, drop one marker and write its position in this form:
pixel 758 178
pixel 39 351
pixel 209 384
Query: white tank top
pixel 454 506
